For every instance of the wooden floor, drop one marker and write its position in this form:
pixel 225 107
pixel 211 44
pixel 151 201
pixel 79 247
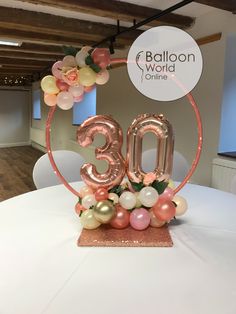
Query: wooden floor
pixel 16 166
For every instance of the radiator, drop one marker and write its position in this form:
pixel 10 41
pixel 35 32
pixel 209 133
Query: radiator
pixel 223 171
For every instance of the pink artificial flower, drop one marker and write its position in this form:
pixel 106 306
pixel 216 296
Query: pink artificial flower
pixel 71 76
pixel 149 178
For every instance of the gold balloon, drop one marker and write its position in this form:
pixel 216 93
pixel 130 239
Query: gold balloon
pixel 87 76
pixel 88 220
pixel 171 184
pixel 49 86
pixel 104 211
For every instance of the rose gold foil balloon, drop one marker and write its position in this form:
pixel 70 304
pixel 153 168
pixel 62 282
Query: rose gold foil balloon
pixel 111 151
pixel 161 127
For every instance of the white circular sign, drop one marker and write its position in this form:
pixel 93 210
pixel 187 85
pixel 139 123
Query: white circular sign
pixel 164 63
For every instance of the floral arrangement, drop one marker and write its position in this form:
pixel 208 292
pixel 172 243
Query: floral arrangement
pixel 76 74
pixel 139 205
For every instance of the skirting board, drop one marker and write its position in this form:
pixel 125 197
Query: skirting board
pixel 15 144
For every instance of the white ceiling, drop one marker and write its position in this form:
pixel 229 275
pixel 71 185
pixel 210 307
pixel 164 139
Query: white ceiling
pixel 192 9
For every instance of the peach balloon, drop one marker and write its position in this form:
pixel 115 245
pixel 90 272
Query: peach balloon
pixel 164 209
pixel 155 222
pixel 50 99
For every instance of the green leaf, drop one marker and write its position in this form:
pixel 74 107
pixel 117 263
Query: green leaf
pixel 159 186
pixel 137 186
pixel 96 68
pixel 89 60
pixel 116 189
pixel 80 200
pixel 69 50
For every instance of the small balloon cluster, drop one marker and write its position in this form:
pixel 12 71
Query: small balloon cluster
pixel 139 205
pixel 75 75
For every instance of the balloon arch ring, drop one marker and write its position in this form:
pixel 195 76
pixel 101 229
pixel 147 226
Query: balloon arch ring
pixel 177 189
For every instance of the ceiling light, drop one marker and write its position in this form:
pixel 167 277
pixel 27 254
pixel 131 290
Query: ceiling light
pixel 10 43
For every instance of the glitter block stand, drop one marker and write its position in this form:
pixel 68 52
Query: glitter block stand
pixel 106 236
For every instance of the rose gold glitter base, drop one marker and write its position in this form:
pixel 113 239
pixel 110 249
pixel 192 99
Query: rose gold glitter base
pixel 110 237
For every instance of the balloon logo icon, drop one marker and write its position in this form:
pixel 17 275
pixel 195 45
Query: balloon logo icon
pixel 139 63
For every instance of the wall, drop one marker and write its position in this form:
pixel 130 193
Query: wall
pixel 14 117
pixel 120 99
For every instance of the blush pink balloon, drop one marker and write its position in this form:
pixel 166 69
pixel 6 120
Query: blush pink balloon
pixel 56 69
pixel 65 100
pixel 101 57
pixel 164 209
pixel 121 219
pixel 140 219
pixel 63 86
pixel 168 194
pixel 76 91
pixel 101 194
pixel 79 98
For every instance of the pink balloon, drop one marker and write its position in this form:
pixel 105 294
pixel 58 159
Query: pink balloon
pixel 140 219
pixel 121 219
pixel 164 209
pixel 50 99
pixel 168 194
pixel 88 89
pixel 101 57
pixel 56 69
pixel 76 91
pixel 79 98
pixel 63 86
pixel 101 194
pixel 69 61
pixel 102 77
pixel 65 100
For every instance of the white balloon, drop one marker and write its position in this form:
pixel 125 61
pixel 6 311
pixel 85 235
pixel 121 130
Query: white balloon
pixel 80 58
pixel 88 201
pixel 182 205
pixel 113 197
pixel 127 200
pixel 148 196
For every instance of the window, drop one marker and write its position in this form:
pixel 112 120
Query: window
pixel 227 143
pixel 37 104
pixel 86 108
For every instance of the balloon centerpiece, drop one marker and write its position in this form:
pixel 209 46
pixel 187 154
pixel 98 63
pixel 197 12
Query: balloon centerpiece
pixel 109 204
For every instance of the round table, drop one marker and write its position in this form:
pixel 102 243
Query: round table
pixel 43 271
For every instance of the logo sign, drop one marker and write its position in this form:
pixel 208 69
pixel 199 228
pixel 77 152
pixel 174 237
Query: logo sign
pixel 164 63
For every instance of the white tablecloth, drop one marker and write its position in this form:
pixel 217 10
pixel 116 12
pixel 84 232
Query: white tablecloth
pixel 43 271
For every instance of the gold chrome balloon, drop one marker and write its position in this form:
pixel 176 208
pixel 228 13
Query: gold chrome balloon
pixel 104 211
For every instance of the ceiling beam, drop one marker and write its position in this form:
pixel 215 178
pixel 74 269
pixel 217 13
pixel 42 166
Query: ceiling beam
pixel 29 56
pixel 18 71
pixel 53 28
pixel 117 10
pixel 34 48
pixel 228 5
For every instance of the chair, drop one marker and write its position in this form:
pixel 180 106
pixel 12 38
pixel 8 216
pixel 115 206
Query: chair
pixel 68 163
pixel 233 185
pixel 180 164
